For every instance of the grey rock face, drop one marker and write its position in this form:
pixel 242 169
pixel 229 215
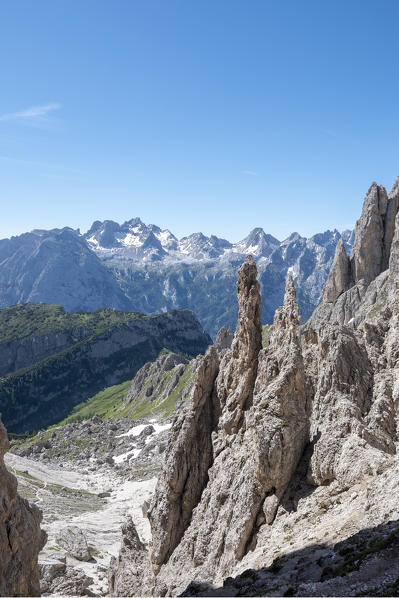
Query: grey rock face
pixel 368 258
pixel 132 558
pixel 73 540
pixel 20 353
pixel 60 579
pixel 186 463
pixel 21 538
pixel 374 233
pixel 237 377
pixel 394 229
pixel 374 236
pixel 224 339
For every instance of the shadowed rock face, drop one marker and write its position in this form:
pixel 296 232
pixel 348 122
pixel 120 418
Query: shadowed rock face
pixel 185 471
pixel 313 414
pixel 21 538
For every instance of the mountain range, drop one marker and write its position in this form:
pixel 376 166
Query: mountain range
pixel 139 267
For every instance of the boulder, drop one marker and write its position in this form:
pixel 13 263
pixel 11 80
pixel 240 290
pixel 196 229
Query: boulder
pixel 73 541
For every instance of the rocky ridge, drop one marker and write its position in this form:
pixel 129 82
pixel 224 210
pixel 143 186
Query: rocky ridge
pixel 45 392
pixel 281 471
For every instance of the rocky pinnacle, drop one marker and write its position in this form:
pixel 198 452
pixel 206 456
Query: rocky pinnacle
pixel 340 275
pixel 371 251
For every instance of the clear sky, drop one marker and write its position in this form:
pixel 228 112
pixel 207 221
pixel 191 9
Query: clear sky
pixel 217 115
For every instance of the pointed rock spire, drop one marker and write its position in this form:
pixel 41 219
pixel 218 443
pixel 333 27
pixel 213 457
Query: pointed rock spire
pixel 340 276
pixel 236 381
pixel 248 336
pixel 134 552
pixel 286 318
pixel 186 463
pixel 367 259
pixel 290 302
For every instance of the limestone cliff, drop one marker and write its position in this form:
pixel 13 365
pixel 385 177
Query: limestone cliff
pixel 288 450
pixel 21 538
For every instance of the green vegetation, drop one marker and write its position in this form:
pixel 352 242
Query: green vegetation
pixel 40 319
pixel 55 488
pixel 105 404
pixel 266 332
pixel 375 310
pixel 64 499
pixel 24 474
pixel 110 403
pixel 104 351
pixel 65 377
pixel 165 408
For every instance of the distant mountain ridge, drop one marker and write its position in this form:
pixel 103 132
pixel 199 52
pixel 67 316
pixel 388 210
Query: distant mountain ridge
pixel 150 243
pixel 138 267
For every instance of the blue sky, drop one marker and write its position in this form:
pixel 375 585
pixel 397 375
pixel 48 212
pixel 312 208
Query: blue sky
pixel 215 115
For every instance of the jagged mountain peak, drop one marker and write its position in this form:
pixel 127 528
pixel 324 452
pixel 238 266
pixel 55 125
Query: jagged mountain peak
pixel 292 238
pixel 257 243
pixel 199 246
pixel 133 236
pixel 132 223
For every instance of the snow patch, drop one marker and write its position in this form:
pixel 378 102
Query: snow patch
pixel 130 241
pixel 159 428
pixel 125 456
pixel 135 431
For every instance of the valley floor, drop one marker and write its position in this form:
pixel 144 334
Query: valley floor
pixel 68 495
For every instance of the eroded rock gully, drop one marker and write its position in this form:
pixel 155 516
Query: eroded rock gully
pixel 287 448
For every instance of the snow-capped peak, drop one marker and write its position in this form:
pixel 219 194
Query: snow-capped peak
pixel 257 243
